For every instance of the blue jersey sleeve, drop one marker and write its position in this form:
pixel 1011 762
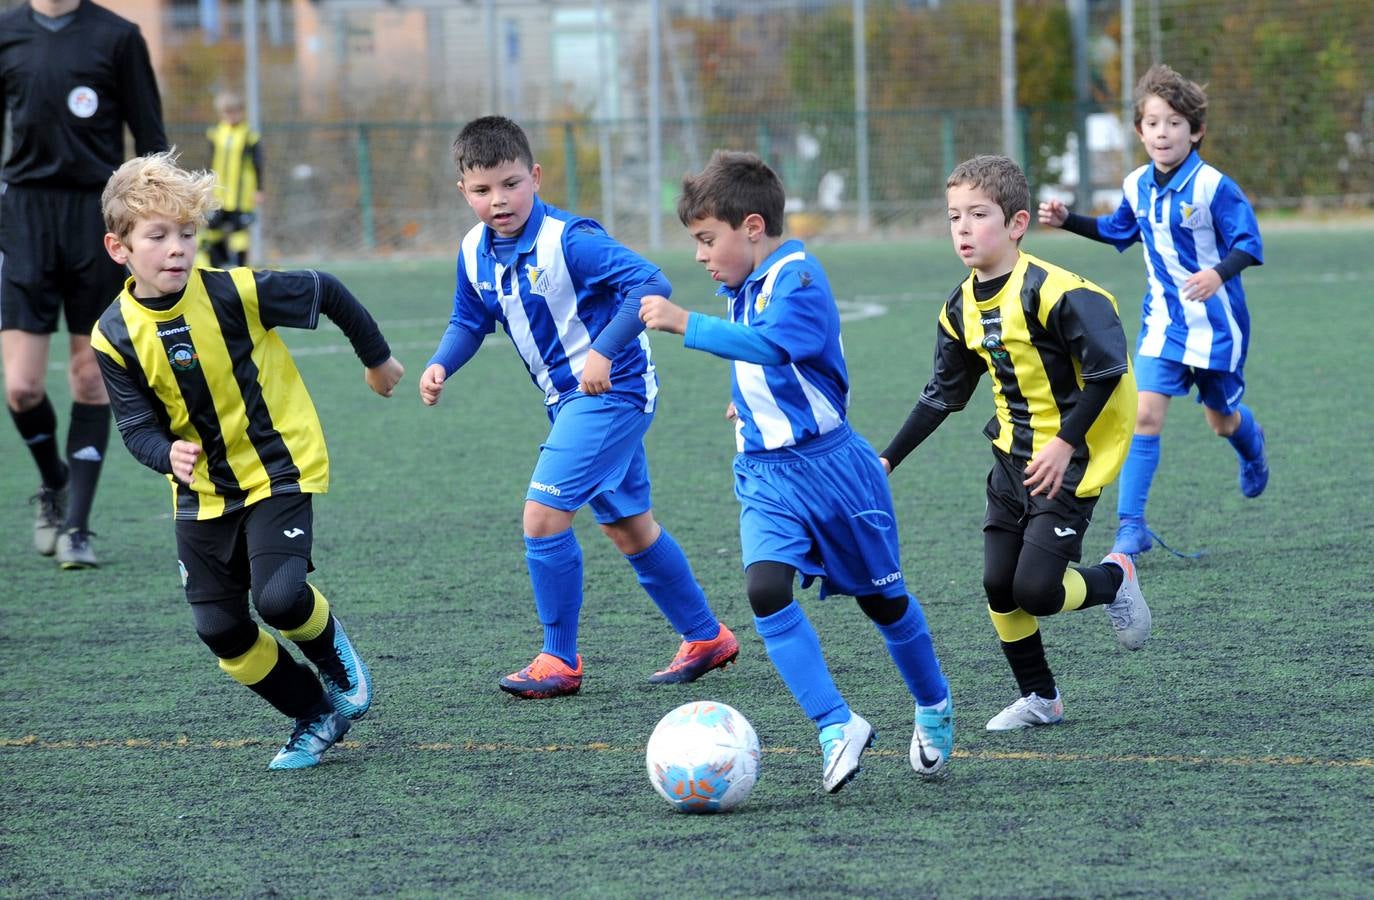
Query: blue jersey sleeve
pixel 729 340
pixel 469 312
pixel 1121 229
pixel 1236 225
pixel 800 317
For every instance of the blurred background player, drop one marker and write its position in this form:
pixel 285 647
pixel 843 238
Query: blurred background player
pixel 236 160
pixel 73 74
pixel 813 497
pixel 568 296
pixel 206 392
pixel 1195 328
pixel 1055 350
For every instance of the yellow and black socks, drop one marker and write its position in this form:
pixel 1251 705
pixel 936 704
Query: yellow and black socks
pixel 268 670
pixel 1019 633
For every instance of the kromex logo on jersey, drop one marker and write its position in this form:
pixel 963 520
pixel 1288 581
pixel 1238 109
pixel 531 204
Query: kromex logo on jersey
pixel 182 357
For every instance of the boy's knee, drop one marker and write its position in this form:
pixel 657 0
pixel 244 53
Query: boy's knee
pixel 1040 596
pixel 227 635
pixel 769 587
pixel 280 593
pixel 883 610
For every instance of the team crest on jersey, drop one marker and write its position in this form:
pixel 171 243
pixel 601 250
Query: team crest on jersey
pixel 83 102
pixel 1192 216
pixel 993 344
pixel 182 357
pixel 761 302
pixel 538 278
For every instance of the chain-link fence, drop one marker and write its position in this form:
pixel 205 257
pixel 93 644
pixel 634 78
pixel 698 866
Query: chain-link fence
pixel 359 101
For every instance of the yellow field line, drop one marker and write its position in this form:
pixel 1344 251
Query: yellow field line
pixel 33 742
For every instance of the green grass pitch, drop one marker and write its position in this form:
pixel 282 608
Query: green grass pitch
pixel 1233 756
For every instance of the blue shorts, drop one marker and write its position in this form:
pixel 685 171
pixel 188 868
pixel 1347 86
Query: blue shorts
pixel 825 509
pixel 1218 391
pixel 594 454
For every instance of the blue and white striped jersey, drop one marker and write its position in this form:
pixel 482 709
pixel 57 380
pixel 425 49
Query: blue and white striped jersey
pixel 566 282
pixel 788 299
pixel 1188 225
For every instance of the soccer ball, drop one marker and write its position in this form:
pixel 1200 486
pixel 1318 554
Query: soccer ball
pixel 703 757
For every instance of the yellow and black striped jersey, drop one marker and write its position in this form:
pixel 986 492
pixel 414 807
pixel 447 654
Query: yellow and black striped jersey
pixel 210 368
pixel 237 162
pixel 1044 335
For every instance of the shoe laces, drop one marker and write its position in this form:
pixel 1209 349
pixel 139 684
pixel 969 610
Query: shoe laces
pixel 48 503
pixel 80 537
pixel 546 664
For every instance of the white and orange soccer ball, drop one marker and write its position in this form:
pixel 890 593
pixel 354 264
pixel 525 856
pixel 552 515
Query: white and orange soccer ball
pixel 703 757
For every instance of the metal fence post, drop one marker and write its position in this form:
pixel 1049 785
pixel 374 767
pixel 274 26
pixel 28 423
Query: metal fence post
pixel 365 188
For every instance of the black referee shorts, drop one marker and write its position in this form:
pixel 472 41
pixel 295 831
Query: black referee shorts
pixel 53 260
pixel 1056 526
pixel 215 555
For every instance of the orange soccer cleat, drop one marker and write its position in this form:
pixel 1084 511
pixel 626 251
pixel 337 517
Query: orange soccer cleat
pixel 695 658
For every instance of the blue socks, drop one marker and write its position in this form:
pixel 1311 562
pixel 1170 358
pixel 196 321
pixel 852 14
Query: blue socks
pixel 908 640
pixel 667 577
pixel 795 650
pixel 1136 475
pixel 1246 438
pixel 555 565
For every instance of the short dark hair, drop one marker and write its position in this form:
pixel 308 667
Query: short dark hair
pixel 733 186
pixel 998 177
pixel 488 142
pixel 1185 97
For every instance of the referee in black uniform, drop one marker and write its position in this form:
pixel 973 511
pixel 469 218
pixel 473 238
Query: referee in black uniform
pixel 72 74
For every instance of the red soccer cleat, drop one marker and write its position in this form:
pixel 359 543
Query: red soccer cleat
pixel 695 658
pixel 548 676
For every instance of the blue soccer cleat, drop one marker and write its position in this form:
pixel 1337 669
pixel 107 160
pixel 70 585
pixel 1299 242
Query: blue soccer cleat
pixel 933 740
pixel 1132 536
pixel 308 741
pixel 841 747
pixel 350 700
pixel 1254 473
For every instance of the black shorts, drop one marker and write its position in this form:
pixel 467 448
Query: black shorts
pixel 53 260
pixel 215 554
pixel 1056 526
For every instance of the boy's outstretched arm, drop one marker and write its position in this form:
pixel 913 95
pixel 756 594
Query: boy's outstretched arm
pixel 727 340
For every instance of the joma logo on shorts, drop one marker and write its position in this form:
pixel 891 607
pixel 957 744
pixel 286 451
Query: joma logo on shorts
pixel 887 579
pixel 546 488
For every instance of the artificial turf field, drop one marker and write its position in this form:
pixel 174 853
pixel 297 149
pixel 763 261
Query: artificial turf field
pixel 1233 756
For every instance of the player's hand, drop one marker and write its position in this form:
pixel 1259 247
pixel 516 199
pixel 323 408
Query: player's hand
pixel 731 414
pixel 596 374
pixel 432 384
pixel 662 314
pixel 1054 213
pixel 1201 285
pixel 383 378
pixel 887 466
pixel 1045 472
pixel 183 456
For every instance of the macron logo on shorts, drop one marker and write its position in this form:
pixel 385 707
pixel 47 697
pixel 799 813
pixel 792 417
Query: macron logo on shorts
pixel 550 489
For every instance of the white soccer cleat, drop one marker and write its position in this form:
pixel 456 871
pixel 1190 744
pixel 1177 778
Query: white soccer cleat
pixel 932 741
pixel 1129 614
pixel 1029 712
pixel 841 747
